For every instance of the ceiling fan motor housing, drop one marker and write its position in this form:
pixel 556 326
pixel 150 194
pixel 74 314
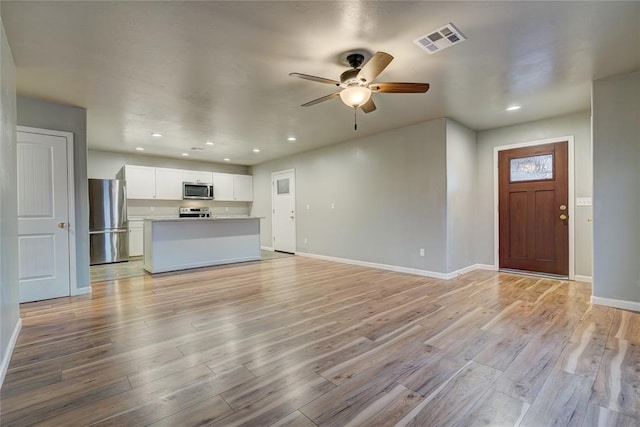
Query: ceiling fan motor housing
pixel 355 60
pixel 350 78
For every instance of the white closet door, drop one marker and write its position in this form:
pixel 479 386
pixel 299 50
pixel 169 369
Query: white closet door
pixel 43 217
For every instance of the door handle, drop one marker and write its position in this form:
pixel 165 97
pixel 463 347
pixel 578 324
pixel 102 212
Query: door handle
pixel 563 217
pixel 62 225
pixel 291 217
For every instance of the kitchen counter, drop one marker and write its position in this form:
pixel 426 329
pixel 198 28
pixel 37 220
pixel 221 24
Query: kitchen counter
pixel 172 244
pixel 213 218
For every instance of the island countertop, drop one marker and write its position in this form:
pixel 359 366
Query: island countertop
pixel 172 244
pixel 213 218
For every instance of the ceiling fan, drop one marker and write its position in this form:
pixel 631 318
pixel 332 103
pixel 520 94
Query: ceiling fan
pixel 358 83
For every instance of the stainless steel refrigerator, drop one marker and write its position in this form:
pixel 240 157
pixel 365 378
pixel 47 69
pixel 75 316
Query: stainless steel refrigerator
pixel 108 234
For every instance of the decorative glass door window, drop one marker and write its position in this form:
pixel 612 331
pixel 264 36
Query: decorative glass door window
pixel 533 168
pixel 283 186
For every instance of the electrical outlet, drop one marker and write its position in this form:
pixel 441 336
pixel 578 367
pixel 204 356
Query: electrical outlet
pixel 152 208
pixel 305 240
pixel 421 251
pixel 307 206
pixel 226 209
pixel 333 206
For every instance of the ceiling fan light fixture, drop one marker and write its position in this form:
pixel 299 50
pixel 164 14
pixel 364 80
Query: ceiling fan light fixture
pixel 355 96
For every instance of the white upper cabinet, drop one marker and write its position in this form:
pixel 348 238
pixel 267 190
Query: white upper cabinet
pixel 197 176
pixel 144 182
pixel 168 184
pixel 222 186
pixel 243 188
pixel 141 182
pixel 230 187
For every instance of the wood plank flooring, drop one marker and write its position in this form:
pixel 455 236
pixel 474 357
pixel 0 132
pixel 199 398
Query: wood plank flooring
pixel 303 342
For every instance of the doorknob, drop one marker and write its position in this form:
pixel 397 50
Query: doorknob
pixel 563 217
pixel 62 225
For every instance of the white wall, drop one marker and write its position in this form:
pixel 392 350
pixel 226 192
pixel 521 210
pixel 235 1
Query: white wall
pixel 389 193
pixel 578 125
pixel 47 115
pixel 616 188
pixel 461 196
pixel 9 307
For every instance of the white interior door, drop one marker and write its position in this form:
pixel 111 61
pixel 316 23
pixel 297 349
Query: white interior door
pixel 43 217
pixel 284 211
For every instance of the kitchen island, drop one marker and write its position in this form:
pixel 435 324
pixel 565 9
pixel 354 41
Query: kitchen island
pixel 179 244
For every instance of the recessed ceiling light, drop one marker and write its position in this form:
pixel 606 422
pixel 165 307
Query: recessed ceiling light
pixel 209 143
pixel 185 154
pixel 156 134
pixel 139 149
pixel 514 108
pixel 226 159
pixel 291 138
pixel 256 150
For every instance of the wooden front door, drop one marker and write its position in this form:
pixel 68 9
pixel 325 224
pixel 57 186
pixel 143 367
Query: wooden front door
pixel 533 208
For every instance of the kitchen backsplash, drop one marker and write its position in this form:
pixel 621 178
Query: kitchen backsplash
pixel 169 208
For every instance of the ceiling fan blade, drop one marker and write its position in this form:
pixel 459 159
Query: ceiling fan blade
pixel 368 106
pixel 375 66
pixel 319 100
pixel 315 79
pixel 390 87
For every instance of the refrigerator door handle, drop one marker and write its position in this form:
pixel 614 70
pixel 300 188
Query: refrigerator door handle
pixel 120 230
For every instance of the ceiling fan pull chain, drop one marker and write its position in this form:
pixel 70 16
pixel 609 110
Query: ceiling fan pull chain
pixel 355 118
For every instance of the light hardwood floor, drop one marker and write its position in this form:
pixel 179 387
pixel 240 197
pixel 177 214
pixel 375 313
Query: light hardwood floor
pixel 303 342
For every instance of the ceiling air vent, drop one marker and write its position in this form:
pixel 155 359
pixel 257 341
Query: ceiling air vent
pixel 440 39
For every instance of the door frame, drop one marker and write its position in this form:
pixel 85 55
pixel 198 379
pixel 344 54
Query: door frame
pixel 68 136
pixel 496 213
pixel 273 209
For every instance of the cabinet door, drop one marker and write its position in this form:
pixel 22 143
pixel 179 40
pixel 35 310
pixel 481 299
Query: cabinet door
pixel 197 176
pixel 136 239
pixel 222 186
pixel 243 188
pixel 136 234
pixel 141 182
pixel 168 184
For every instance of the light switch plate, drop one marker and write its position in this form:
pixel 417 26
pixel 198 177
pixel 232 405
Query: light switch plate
pixel 583 201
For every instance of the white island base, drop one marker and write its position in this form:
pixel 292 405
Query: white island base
pixel 179 244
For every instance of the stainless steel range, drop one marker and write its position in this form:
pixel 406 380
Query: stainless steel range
pixel 195 213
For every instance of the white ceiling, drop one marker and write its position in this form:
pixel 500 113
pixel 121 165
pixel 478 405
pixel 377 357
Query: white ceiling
pixel 218 71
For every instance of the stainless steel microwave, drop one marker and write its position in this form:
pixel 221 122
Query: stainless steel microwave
pixel 197 190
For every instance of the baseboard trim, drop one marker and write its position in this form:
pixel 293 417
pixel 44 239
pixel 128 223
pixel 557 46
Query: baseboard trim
pixel 267 248
pixel 587 279
pixel 399 269
pixel 82 291
pixel 616 303
pixel 6 357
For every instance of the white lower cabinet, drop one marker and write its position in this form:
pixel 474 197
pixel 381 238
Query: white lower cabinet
pixel 136 237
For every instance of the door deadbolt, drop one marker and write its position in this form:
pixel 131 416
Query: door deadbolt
pixel 563 208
